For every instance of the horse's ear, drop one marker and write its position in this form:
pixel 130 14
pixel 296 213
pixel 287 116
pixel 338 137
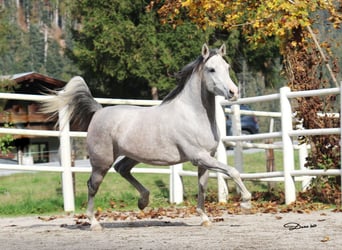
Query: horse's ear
pixel 222 50
pixel 205 51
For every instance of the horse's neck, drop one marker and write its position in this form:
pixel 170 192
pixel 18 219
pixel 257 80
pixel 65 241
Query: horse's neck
pixel 196 96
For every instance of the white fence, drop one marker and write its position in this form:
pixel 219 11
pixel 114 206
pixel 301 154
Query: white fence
pixel 288 175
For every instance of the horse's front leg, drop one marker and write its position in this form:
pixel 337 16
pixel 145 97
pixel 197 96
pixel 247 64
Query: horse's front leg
pixel 204 160
pixel 124 167
pixel 203 175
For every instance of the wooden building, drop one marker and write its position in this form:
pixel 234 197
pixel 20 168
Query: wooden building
pixel 25 114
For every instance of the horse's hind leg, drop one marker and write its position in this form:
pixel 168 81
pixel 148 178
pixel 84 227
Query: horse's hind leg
pixel 94 182
pixel 203 175
pixel 124 167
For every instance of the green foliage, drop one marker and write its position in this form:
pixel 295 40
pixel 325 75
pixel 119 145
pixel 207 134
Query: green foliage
pixel 5 30
pixel 122 49
pixel 6 144
pixel 6 140
pixel 120 44
pixel 22 44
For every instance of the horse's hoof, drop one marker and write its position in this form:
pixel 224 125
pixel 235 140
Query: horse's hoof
pixel 246 207
pixel 143 202
pixel 206 223
pixel 96 227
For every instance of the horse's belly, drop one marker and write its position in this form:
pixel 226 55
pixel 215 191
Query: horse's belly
pixel 152 154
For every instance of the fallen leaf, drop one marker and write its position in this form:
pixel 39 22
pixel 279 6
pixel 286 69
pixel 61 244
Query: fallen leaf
pixel 325 239
pixel 337 210
pixel 47 218
pixel 80 216
pixel 220 219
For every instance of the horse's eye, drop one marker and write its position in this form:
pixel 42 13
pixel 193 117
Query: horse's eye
pixel 211 70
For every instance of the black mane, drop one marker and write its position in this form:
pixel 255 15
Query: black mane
pixel 183 75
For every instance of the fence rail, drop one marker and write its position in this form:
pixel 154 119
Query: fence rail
pixel 285 134
pixel 289 175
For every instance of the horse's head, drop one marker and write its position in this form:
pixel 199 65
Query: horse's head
pixel 216 73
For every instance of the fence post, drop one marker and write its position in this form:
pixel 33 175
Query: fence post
pixel 236 129
pixel 176 184
pixel 65 149
pixel 288 155
pixel 221 155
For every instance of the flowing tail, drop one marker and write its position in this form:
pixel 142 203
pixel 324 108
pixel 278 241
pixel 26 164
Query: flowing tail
pixel 79 104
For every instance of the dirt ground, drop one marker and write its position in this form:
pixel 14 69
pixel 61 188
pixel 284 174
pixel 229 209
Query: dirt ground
pixel 317 230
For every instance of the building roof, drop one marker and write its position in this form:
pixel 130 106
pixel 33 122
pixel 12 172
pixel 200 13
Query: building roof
pixel 27 112
pixel 29 77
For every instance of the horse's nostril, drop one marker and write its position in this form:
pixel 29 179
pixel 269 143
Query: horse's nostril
pixel 231 92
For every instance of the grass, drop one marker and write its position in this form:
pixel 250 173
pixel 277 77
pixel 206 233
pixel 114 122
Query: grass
pixel 40 192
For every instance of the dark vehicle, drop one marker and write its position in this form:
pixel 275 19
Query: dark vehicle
pixel 249 123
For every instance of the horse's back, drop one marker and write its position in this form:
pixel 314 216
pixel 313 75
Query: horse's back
pixel 111 121
pixel 137 132
pixel 118 118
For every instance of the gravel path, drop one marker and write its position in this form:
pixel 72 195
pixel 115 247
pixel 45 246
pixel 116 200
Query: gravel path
pixel 317 230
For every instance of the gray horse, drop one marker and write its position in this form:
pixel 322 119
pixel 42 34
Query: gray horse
pixel 182 128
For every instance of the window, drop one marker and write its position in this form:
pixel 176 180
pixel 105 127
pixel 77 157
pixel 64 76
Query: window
pixel 39 152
